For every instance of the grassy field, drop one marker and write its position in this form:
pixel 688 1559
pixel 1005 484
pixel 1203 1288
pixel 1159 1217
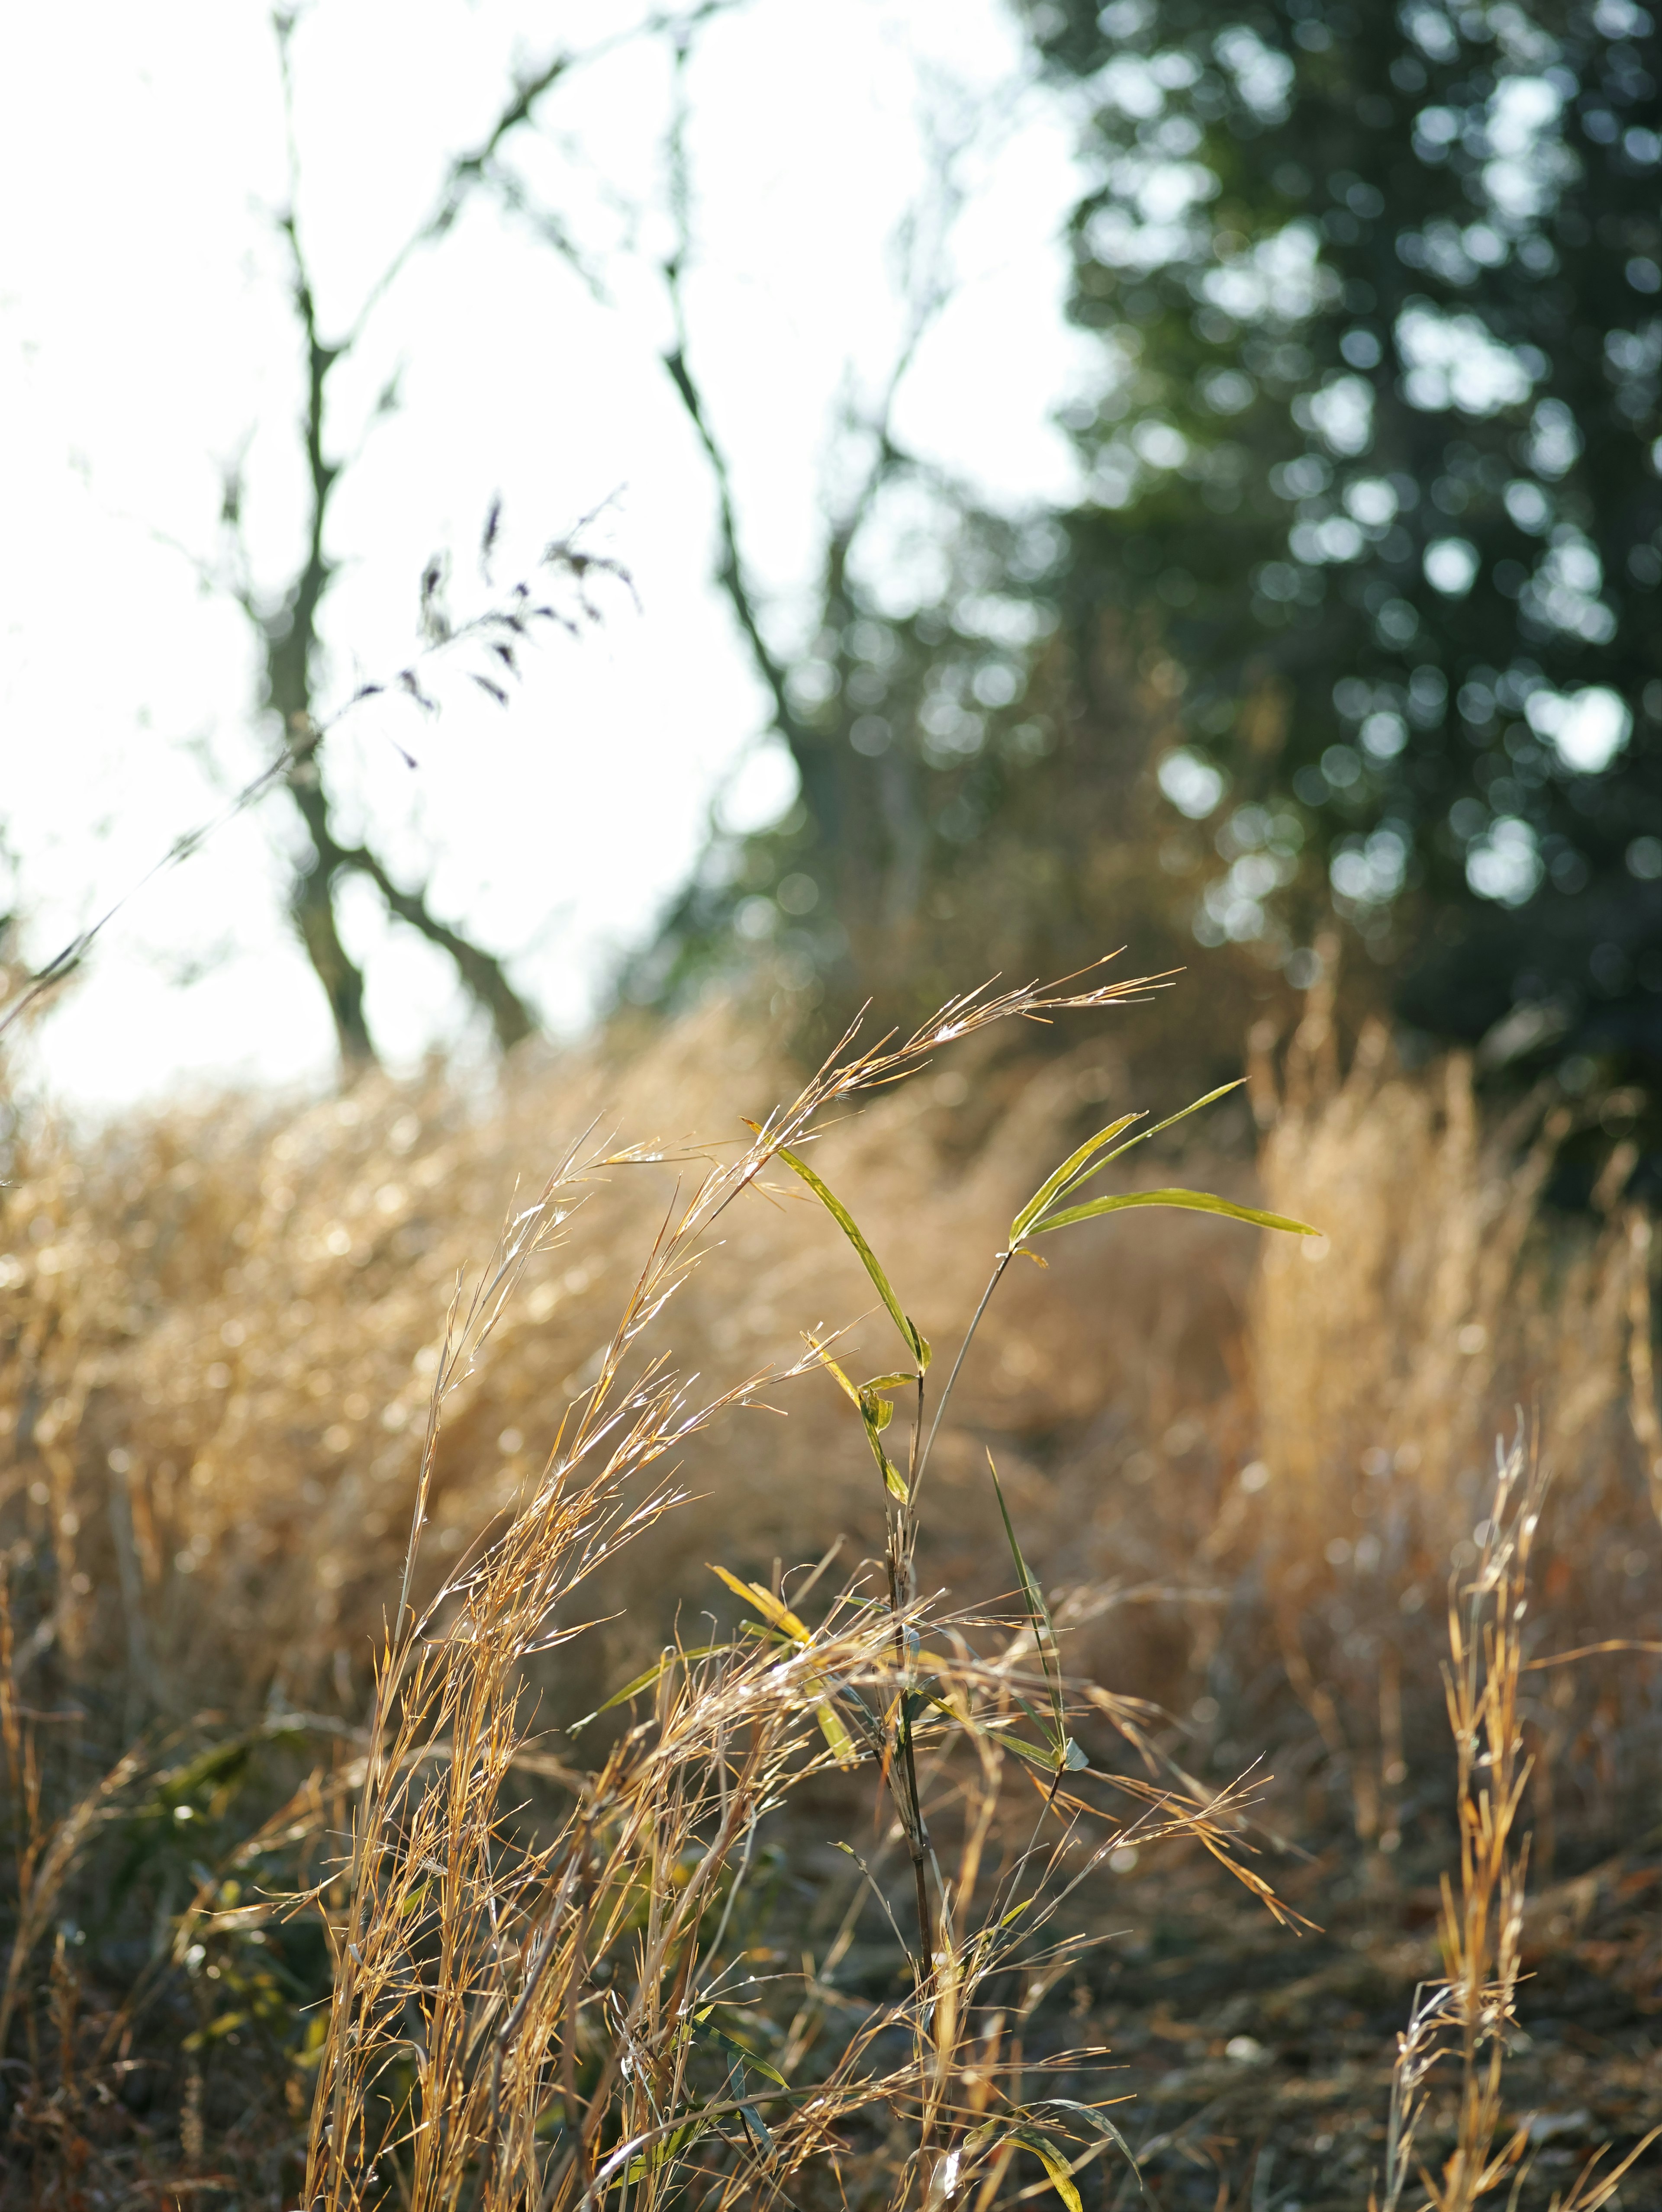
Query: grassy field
pixel 1220 1829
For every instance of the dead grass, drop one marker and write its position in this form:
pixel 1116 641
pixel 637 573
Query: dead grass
pixel 1444 1309
pixel 1242 1489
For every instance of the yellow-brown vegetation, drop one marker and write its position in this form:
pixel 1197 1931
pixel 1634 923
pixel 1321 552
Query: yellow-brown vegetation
pixel 1242 1480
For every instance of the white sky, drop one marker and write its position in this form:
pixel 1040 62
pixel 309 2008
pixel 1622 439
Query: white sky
pixel 145 337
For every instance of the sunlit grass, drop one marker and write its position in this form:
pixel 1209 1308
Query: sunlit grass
pixel 404 1719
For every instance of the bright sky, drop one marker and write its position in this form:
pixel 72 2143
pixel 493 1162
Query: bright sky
pixel 145 339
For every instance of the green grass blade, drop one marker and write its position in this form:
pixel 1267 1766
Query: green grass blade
pixel 665 2153
pixel 1063 1752
pixel 1065 1175
pixel 778 1615
pixel 1044 1634
pixel 849 1387
pixel 1143 1135
pixel 1102 2125
pixel 756 2128
pixel 1194 1201
pixel 876 1413
pixel 893 1481
pixel 644 1682
pixel 1042 1755
pixel 705 2030
pixel 1182 1115
pixel 783 1622
pixel 916 1342
pixel 837 1736
pixel 1055 2161
pixel 1029 1587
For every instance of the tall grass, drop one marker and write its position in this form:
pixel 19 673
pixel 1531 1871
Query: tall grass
pixel 517 2017
pixel 354 1576
pixel 1386 1360
pixel 1466 2019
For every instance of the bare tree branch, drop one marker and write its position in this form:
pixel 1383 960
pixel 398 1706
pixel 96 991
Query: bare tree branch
pixel 821 760
pixel 482 972
pixel 499 629
pixel 64 963
pixel 468 171
pixel 288 630
pixel 814 768
pixel 288 627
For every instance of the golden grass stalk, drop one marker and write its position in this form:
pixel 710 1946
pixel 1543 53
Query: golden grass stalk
pixel 540 2011
pixel 1384 1359
pixel 217 1356
pixel 1464 2018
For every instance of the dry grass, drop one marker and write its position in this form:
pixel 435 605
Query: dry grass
pixel 228 1386
pixel 1444 1308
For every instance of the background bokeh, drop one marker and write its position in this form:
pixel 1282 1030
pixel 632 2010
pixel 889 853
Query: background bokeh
pixel 148 343
pixel 1057 477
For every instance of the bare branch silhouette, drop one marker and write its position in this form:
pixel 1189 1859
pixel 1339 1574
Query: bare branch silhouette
pixel 836 782
pixel 287 622
pixel 496 633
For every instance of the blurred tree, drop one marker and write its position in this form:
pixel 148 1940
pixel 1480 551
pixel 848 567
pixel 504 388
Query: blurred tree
pixel 882 705
pixel 1367 570
pixel 285 622
pixel 286 617
pixel 1373 473
pixel 957 813
pixel 285 614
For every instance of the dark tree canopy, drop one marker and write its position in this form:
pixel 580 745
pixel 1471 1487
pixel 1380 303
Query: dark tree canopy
pixel 1359 608
pixel 1377 451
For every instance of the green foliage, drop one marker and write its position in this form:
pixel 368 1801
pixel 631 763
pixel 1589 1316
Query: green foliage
pixel 917 1344
pixel 1366 567
pixel 1064 1754
pixel 876 1411
pixel 1196 1201
pixel 1079 1166
pixel 1373 454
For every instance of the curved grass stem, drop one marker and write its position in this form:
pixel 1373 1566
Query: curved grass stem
pixel 1004 1259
